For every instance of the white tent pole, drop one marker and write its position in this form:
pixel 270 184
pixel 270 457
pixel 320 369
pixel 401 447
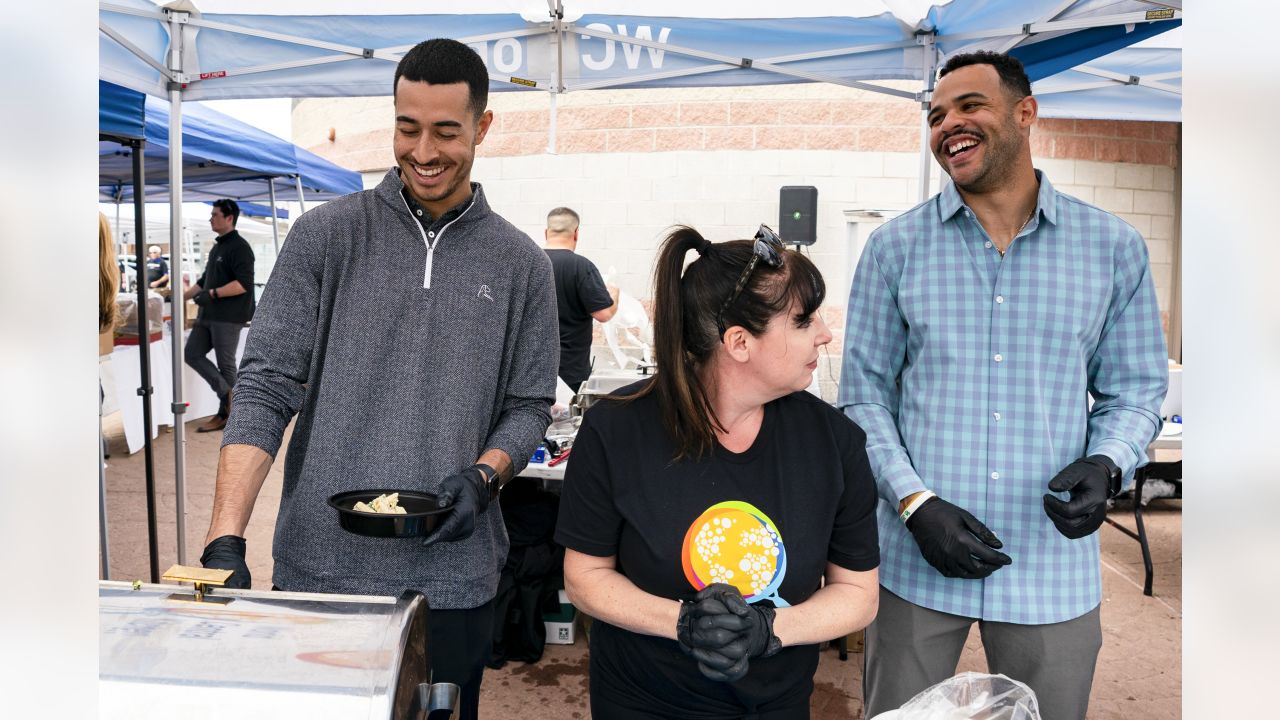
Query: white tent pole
pixel 302 205
pixel 177 337
pixel 929 69
pixel 557 36
pixel 275 224
pixel 551 124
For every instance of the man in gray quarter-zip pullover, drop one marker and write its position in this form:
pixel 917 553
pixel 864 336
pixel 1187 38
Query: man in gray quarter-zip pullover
pixel 413 332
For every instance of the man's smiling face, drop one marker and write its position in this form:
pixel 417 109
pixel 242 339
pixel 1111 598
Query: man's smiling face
pixel 977 129
pixel 435 141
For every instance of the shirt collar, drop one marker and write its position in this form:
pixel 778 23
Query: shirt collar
pixel 424 215
pixel 950 202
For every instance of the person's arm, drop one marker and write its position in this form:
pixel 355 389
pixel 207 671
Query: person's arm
pixel 531 386
pixel 599 299
pixel 241 471
pixel 271 384
pixel 606 314
pixel 231 289
pixel 1129 370
pixel 875 349
pixel 242 275
pixel 595 586
pixel 846 602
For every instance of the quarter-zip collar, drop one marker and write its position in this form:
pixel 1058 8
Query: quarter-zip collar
pixel 433 230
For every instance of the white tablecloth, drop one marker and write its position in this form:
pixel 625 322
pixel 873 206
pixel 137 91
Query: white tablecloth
pixel 125 379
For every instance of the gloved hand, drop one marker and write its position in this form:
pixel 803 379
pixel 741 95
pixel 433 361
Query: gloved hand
pixel 722 632
pixel 202 298
pixel 954 542
pixel 1088 480
pixel 227 553
pixel 468 493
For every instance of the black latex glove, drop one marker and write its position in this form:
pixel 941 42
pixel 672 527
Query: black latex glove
pixel 722 632
pixel 955 542
pixel 706 627
pixel 202 298
pixel 468 493
pixel 227 553
pixel 1087 479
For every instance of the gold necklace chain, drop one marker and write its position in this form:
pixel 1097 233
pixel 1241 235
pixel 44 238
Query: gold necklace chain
pixel 1025 223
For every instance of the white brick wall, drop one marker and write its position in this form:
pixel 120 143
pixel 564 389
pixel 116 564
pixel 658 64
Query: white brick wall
pixel 627 201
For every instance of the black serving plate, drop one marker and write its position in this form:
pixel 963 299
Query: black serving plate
pixel 420 518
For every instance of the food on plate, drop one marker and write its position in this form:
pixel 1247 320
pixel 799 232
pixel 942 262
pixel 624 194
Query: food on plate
pixel 384 504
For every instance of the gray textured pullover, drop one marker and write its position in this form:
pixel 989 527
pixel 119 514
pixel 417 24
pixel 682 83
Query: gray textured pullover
pixel 404 358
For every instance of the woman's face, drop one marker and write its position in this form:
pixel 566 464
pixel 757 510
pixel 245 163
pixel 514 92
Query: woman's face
pixel 788 350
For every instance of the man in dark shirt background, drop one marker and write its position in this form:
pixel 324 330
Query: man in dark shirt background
pixel 224 293
pixel 157 268
pixel 580 295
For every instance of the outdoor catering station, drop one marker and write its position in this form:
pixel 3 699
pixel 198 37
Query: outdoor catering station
pixel 175 640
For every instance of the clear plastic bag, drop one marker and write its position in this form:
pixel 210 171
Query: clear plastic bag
pixel 128 304
pixel 972 696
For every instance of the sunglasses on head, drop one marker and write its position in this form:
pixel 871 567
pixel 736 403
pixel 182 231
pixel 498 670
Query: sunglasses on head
pixel 767 249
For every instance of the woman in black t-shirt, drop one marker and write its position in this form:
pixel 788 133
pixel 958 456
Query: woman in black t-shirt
pixel 719 521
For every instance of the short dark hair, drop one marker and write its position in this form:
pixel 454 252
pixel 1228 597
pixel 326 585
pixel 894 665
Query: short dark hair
pixel 228 208
pixel 1012 75
pixel 442 61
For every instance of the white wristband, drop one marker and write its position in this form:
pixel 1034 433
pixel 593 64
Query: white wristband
pixel 916 503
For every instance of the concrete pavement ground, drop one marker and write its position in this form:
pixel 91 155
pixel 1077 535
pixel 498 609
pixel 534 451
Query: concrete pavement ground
pixel 1139 673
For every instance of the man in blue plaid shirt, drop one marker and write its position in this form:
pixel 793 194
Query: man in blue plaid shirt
pixel 980 324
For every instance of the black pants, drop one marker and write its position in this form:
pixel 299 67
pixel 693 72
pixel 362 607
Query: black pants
pixel 459 646
pixel 223 338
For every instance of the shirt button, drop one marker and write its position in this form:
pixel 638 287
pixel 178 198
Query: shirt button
pixel 999 299
pixel 419 213
pixel 988 243
pixel 996 415
pixel 995 476
pixel 431 234
pixel 998 358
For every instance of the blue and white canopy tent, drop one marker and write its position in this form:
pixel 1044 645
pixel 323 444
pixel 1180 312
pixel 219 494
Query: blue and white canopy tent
pixel 222 158
pixel 287 48
pixel 1139 82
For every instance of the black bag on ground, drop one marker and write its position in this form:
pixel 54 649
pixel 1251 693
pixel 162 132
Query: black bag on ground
pixel 533 573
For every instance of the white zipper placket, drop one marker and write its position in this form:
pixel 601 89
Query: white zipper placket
pixel 431 246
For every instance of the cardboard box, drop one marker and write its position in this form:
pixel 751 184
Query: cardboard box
pixel 561 629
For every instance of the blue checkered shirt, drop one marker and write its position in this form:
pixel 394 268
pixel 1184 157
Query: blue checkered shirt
pixel 971 375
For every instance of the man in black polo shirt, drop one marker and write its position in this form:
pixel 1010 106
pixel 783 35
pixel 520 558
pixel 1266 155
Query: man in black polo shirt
pixel 580 295
pixel 224 293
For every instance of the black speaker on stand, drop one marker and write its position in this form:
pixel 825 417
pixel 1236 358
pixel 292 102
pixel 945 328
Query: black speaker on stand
pixel 798 214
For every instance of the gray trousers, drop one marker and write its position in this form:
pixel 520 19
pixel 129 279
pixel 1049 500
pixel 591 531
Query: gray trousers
pixel 223 338
pixel 911 648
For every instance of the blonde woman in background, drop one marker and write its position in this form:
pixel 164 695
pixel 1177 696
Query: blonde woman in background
pixel 108 277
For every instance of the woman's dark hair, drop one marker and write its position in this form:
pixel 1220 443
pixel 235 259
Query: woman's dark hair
pixel 685 334
pixel 444 62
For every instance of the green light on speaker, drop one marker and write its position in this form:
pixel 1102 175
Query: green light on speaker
pixel 795 215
